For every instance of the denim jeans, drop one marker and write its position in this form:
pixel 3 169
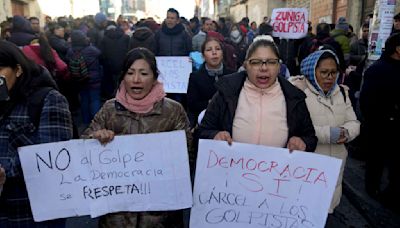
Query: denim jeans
pixel 90 103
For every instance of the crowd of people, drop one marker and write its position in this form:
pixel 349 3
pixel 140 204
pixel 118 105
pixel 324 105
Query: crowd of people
pixel 313 94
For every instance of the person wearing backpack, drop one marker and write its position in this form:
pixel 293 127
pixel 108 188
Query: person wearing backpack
pixel 32 111
pixel 331 112
pixel 86 71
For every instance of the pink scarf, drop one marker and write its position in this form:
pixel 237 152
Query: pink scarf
pixel 144 105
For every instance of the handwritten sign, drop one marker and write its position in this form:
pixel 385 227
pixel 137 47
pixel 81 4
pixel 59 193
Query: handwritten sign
pixel 174 73
pixel 247 185
pixel 147 172
pixel 290 23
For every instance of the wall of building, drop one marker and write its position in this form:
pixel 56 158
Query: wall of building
pixel 237 12
pixel 5 9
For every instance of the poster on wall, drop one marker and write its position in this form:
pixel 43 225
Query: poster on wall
pixel 380 28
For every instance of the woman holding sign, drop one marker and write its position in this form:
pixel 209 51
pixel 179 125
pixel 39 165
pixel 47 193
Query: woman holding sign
pixel 32 111
pixel 330 108
pixel 139 107
pixel 258 107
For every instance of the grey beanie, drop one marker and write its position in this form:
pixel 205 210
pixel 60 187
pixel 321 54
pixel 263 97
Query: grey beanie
pixel 342 24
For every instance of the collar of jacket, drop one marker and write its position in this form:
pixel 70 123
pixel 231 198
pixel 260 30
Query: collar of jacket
pixel 231 85
pixel 157 109
pixel 172 31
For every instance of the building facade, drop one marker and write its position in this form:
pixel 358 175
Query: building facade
pixel 327 11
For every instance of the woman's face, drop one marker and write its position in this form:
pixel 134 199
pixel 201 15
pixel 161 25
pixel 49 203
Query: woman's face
pixel 139 79
pixel 11 75
pixel 326 73
pixel 213 54
pixel 262 67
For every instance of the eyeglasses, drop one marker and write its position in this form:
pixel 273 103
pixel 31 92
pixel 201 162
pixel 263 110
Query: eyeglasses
pixel 258 63
pixel 325 74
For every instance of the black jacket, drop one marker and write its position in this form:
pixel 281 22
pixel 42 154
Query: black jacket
pixel 201 89
pixel 59 45
pixel 173 42
pixel 380 102
pixel 114 47
pixel 221 111
pixel 143 37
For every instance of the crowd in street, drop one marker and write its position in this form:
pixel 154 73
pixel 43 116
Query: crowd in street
pixel 319 93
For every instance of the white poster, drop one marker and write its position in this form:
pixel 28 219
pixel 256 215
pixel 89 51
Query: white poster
pixel 290 23
pixel 174 73
pixel 146 172
pixel 245 185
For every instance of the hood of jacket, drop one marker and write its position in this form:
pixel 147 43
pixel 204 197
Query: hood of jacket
pixel 172 31
pixel 142 34
pixel 20 24
pixel 114 33
pixel 308 67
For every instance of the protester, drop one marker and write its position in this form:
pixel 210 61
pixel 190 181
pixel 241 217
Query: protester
pixel 89 89
pixel 396 24
pixel 332 114
pixel 359 49
pixel 200 37
pixel 41 53
pixel 340 35
pixel 140 107
pixel 172 39
pixel 143 37
pixel 380 108
pixel 113 47
pixel 56 39
pixel 256 106
pixel 21 31
pixel 201 83
pixel 96 33
pixel 33 112
pixel 35 24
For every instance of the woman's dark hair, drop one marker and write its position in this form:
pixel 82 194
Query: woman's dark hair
pixel 265 29
pixel 45 52
pixel 12 56
pixel 262 43
pixel 209 39
pixel 328 55
pixel 136 54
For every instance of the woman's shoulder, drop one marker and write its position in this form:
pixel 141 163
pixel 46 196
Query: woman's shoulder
pixel 299 81
pixel 170 104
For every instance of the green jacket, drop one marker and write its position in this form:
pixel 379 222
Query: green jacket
pixel 340 36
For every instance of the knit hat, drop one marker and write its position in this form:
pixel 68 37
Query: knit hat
pixel 100 18
pixel 78 38
pixel 342 24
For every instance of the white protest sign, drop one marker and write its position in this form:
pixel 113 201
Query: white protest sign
pixel 174 73
pixel 245 185
pixel 290 23
pixel 146 172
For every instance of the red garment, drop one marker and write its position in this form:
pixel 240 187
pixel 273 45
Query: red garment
pixel 33 53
